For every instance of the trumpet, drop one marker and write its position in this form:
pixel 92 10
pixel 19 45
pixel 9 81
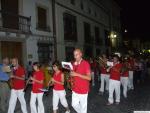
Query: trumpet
pixel 102 62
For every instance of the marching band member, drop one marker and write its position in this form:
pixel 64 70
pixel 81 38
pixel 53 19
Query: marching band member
pixel 124 77
pixel 93 70
pixel 104 75
pixel 59 92
pixel 114 82
pixel 131 68
pixel 18 84
pixel 82 75
pixel 37 84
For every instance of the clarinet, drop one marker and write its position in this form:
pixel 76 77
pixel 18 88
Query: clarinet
pixel 27 84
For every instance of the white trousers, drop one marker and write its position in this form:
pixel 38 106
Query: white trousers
pixel 39 97
pixel 104 78
pixel 124 83
pixel 59 95
pixel 114 85
pixel 79 102
pixel 4 95
pixel 93 78
pixel 13 100
pixel 130 83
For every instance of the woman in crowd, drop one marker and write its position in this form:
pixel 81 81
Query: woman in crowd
pixel 38 83
pixel 59 92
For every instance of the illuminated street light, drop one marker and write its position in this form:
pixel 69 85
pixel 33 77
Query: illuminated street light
pixel 113 35
pixel 125 31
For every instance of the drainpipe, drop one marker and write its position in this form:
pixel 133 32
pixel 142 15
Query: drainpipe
pixel 54 28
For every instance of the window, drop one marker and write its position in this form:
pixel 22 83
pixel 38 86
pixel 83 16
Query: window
pixel 70 27
pixel 87 32
pixel 95 14
pixel 44 52
pixel 89 10
pixel 98 52
pixel 69 53
pixel 107 40
pixel 81 5
pixel 72 2
pixel 88 51
pixel 97 36
pixel 42 19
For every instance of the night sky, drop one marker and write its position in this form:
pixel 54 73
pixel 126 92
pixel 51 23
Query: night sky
pixel 135 15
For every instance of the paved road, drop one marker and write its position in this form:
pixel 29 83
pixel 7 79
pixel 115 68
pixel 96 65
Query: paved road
pixel 139 99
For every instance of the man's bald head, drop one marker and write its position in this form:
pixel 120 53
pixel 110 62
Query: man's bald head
pixel 78 54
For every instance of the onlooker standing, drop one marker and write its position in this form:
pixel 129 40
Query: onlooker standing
pixel 4 87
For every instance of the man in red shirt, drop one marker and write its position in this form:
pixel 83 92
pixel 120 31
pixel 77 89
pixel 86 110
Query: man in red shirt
pixel 114 82
pixel 131 68
pixel 124 77
pixel 18 84
pixel 82 75
pixel 104 75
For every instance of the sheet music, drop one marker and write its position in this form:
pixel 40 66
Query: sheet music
pixel 43 90
pixel 67 65
pixel 110 63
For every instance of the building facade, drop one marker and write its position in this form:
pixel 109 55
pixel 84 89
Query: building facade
pixel 42 30
pixel 26 30
pixel 86 24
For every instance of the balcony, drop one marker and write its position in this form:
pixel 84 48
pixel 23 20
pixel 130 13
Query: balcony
pixel 10 22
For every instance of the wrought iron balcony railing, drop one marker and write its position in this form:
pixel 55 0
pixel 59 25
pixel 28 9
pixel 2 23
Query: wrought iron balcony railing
pixel 14 23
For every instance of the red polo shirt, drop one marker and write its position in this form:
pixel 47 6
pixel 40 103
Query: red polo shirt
pixel 39 75
pixel 125 74
pixel 103 70
pixel 58 77
pixel 115 72
pixel 80 85
pixel 131 63
pixel 18 84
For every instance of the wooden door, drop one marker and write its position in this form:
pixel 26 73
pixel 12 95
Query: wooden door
pixel 12 49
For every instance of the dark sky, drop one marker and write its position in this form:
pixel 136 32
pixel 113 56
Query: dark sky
pixel 135 16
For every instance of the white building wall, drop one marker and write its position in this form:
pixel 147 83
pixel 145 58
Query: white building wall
pixel 30 9
pixel 101 21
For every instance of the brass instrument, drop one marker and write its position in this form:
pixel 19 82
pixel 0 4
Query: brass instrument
pixel 69 81
pixel 102 62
